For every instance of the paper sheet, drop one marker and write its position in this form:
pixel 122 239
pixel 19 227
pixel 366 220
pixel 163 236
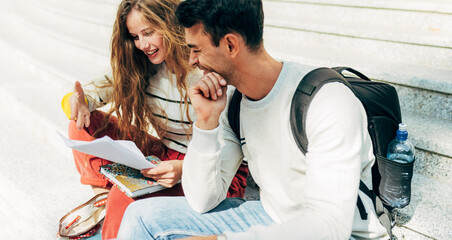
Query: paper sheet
pixel 119 151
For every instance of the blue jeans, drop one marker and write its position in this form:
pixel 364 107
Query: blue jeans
pixel 172 218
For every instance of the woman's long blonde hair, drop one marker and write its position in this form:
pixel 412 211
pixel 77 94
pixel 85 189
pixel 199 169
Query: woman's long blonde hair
pixel 132 70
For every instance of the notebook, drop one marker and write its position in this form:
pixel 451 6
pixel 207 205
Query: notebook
pixel 130 180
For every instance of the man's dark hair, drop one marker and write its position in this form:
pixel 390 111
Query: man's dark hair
pixel 220 17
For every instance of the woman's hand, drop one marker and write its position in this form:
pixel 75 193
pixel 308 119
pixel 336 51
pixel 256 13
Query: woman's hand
pixel 79 109
pixel 167 173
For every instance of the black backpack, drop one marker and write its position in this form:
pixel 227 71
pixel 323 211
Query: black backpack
pixel 381 102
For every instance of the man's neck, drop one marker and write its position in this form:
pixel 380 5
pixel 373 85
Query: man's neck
pixel 257 74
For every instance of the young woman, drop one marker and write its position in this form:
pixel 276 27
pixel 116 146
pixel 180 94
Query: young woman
pixel 147 92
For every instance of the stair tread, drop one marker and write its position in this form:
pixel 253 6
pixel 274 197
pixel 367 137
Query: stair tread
pixel 410 27
pixel 429 133
pixel 285 45
pixel 79 32
pixel 429 210
pixel 422 76
pixel 34 162
pixel 443 6
pixel 99 11
pixel 48 53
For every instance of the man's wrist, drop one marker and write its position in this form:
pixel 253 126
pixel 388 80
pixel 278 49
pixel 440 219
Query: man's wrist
pixel 207 124
pixel 221 237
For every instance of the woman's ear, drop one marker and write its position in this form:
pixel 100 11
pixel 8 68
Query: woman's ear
pixel 232 44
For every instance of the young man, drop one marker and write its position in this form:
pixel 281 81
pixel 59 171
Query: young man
pixel 310 196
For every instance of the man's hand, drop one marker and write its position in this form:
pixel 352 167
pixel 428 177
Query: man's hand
pixel 79 110
pixel 208 97
pixel 213 237
pixel 167 173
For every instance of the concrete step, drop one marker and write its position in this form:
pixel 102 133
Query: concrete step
pixel 429 214
pixel 434 6
pixel 374 39
pixel 368 56
pixel 48 55
pixel 410 54
pixel 427 102
pixel 85 38
pixel 394 62
pixel 399 25
pixel 397 43
pixel 83 34
pixel 423 101
pixel 101 12
pixel 89 30
pixel 431 137
pixel 38 177
pixel 429 84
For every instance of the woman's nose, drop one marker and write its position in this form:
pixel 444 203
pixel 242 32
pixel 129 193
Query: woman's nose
pixel 143 45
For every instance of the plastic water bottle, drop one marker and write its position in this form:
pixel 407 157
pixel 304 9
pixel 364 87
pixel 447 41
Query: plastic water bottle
pixel 397 187
pixel 400 149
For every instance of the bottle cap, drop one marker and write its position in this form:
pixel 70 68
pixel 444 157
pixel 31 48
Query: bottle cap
pixel 402 133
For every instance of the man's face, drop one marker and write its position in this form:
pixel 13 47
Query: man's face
pixel 204 55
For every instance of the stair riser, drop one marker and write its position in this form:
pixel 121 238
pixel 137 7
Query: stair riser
pixel 434 166
pixel 425 102
pixel 287 40
pixel 77 32
pixel 294 14
pixel 87 11
pixel 389 51
pixel 428 212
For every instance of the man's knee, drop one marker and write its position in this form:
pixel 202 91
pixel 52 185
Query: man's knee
pixel 148 217
pixel 155 208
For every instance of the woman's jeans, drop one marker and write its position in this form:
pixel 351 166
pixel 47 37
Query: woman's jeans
pixel 172 218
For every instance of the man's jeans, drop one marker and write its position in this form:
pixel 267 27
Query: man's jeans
pixel 172 218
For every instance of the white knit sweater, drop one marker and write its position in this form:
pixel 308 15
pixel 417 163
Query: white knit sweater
pixel 310 196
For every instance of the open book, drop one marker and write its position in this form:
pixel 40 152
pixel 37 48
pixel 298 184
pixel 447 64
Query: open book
pixel 128 161
pixel 130 180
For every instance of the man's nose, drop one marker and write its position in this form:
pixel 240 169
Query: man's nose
pixel 193 61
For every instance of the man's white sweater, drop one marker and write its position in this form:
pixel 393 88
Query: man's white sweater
pixel 310 196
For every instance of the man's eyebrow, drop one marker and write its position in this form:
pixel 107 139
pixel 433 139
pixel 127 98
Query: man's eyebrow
pixel 191 45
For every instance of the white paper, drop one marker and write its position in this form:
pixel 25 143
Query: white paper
pixel 119 151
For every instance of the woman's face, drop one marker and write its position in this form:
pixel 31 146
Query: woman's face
pixel 145 37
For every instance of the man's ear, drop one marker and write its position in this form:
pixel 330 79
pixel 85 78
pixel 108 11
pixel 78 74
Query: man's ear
pixel 232 44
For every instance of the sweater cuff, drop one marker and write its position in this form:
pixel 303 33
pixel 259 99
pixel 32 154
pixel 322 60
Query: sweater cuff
pixel 249 235
pixel 205 141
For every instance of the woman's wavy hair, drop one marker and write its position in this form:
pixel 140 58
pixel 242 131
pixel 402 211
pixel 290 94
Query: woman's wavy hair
pixel 132 70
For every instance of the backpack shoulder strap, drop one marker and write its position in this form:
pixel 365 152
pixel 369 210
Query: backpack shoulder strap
pixel 305 92
pixel 234 112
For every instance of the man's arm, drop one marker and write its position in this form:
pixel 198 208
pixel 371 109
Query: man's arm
pixel 214 153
